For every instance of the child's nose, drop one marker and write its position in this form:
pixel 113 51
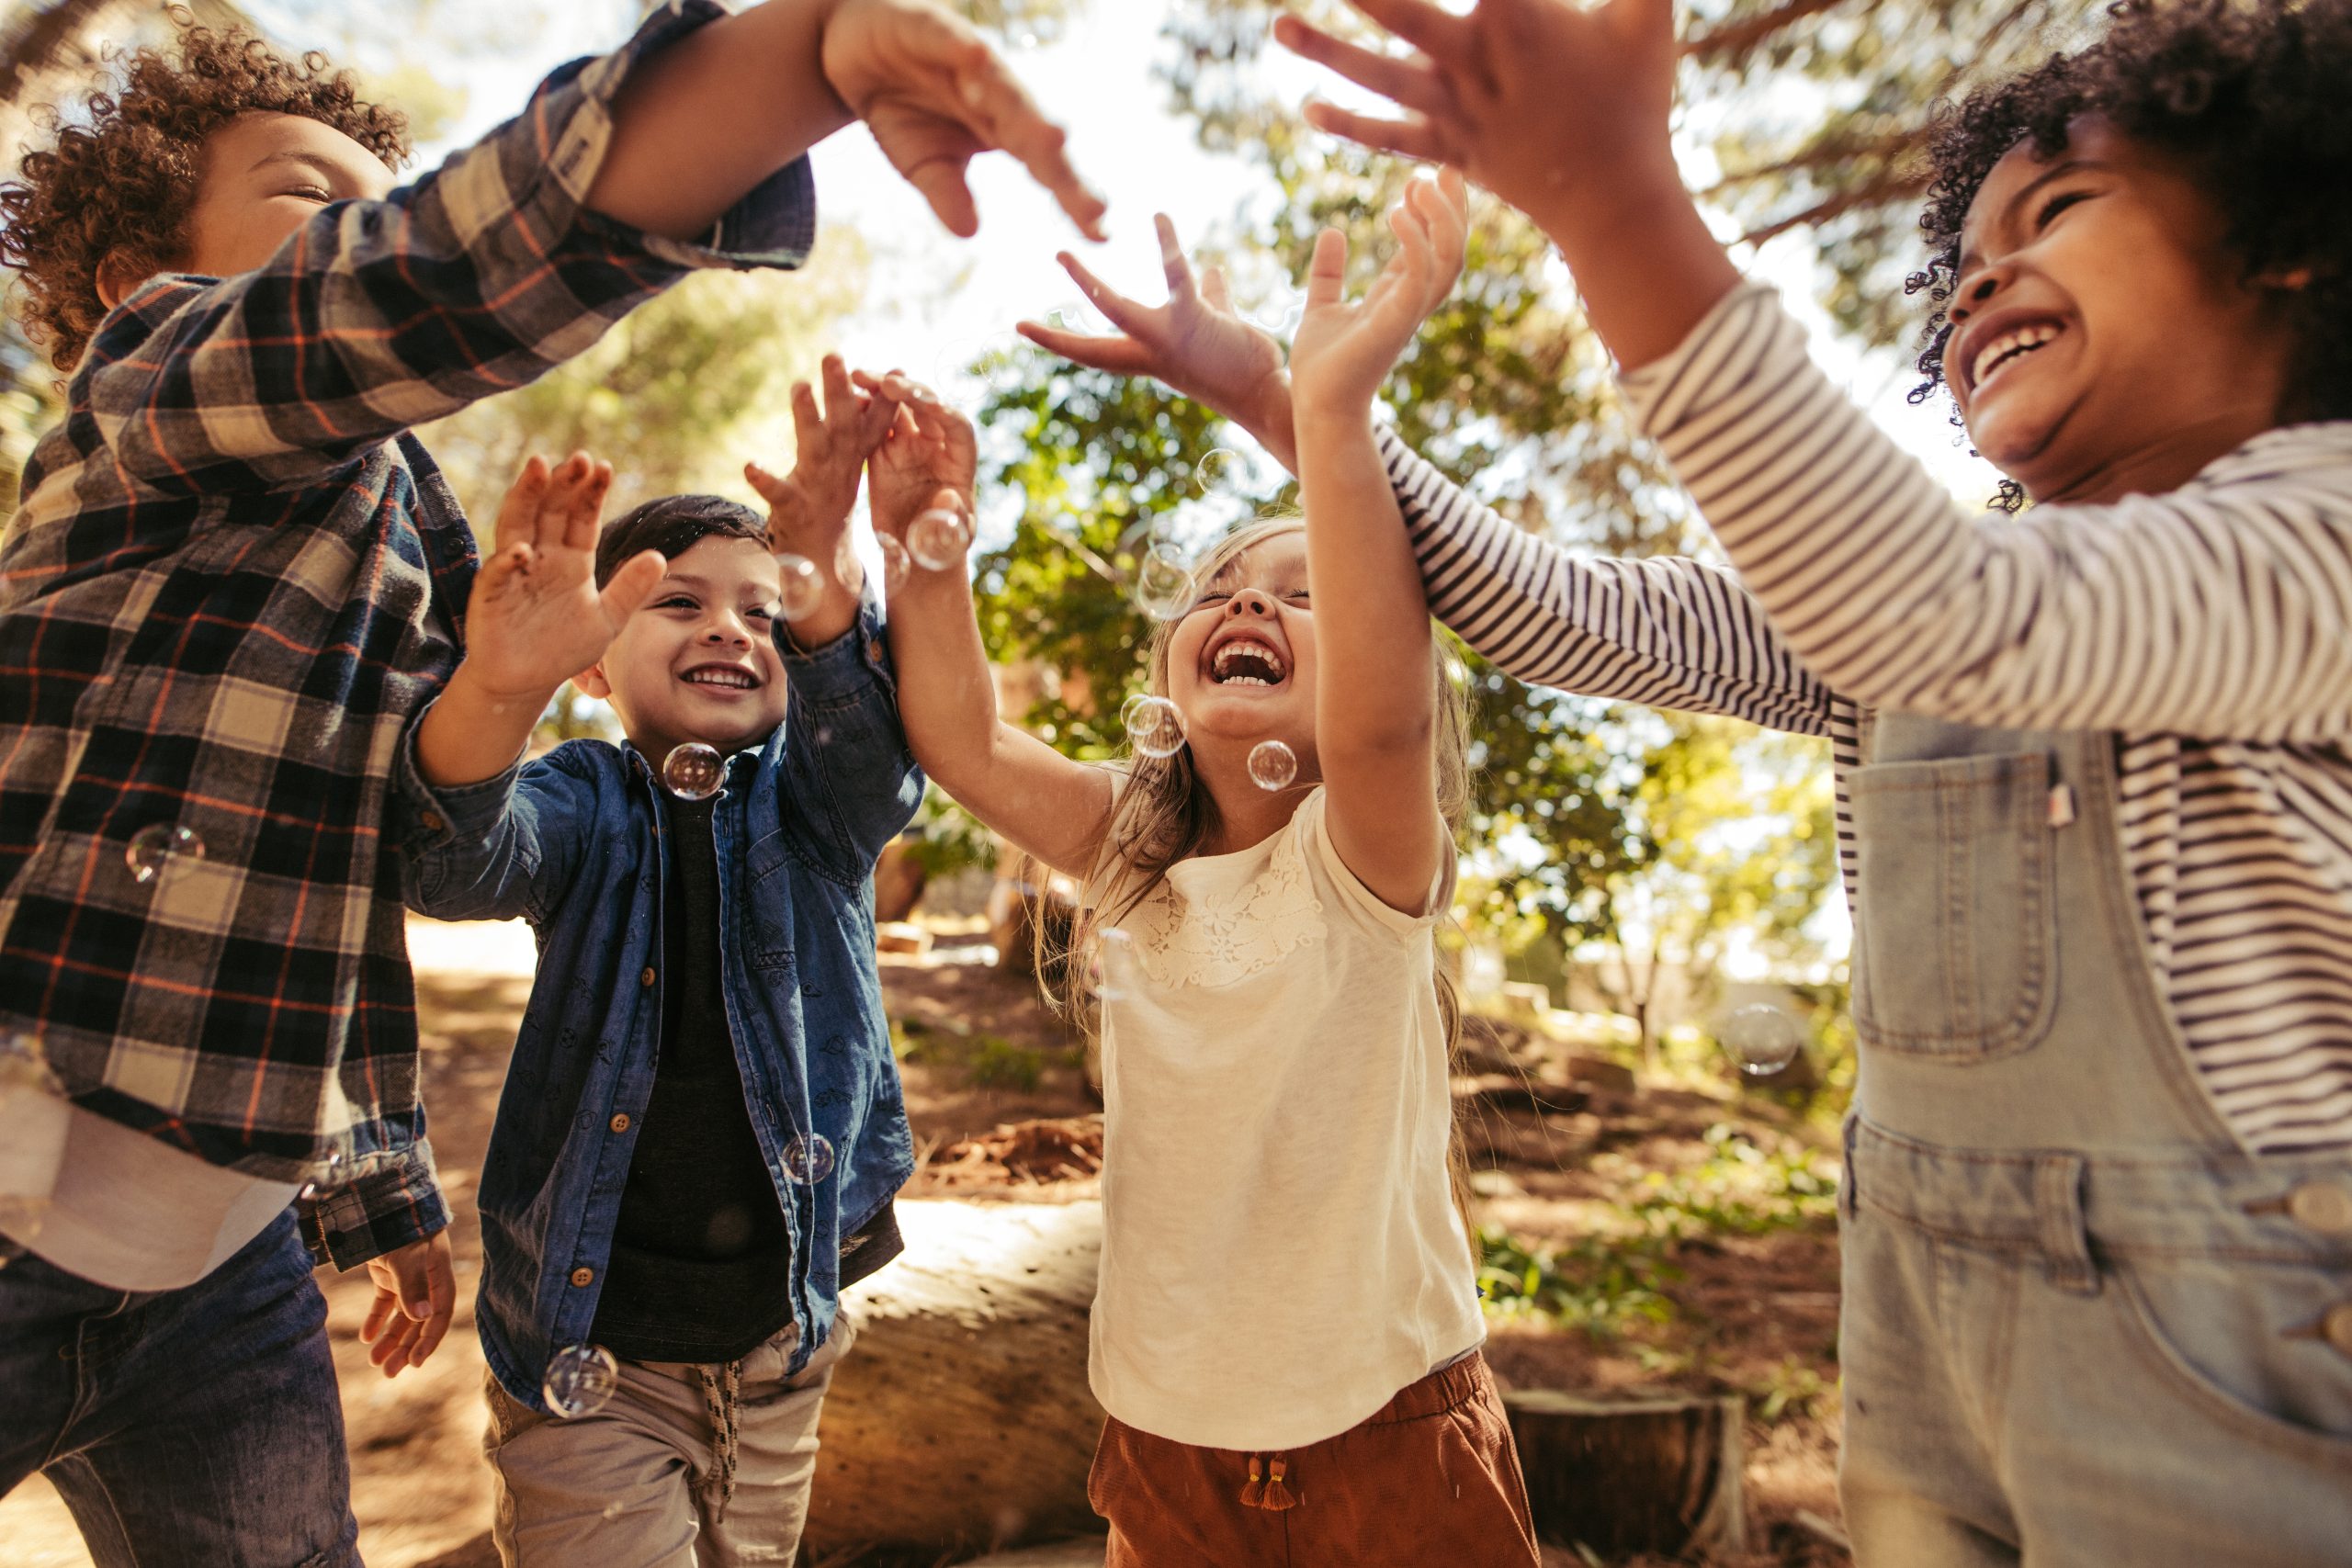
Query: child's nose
pixel 729 630
pixel 1249 602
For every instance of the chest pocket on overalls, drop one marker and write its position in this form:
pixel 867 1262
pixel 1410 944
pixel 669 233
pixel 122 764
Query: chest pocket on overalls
pixel 1955 948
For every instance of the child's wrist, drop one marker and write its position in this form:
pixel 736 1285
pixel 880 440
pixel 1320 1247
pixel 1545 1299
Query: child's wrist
pixel 475 688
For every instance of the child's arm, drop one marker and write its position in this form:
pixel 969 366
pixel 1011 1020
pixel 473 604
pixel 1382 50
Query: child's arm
pixel 1376 703
pixel 1038 799
pixel 791 73
pixel 375 316
pixel 2215 610
pixel 808 510
pixel 1672 633
pixel 477 848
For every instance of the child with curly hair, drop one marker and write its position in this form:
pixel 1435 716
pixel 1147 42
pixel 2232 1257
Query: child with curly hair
pixel 234 579
pixel 2095 796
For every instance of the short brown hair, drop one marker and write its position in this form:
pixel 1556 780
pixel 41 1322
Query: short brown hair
pixel 122 186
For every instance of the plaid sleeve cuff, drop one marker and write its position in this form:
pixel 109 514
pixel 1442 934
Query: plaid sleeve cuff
pixel 773 226
pixel 396 1200
pixel 852 664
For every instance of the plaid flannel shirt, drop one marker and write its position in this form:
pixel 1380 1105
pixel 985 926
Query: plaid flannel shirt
pixel 234 580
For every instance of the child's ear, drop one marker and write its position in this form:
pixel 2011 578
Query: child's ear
pixel 592 681
pixel 119 275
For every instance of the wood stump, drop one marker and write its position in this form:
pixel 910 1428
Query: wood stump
pixel 1623 1476
pixel 961 1419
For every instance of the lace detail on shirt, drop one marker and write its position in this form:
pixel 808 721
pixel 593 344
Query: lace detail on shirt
pixel 1180 940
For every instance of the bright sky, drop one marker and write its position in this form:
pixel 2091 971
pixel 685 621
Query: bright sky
pixel 935 301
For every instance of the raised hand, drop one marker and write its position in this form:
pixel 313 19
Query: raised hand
pixel 1344 351
pixel 935 96
pixel 536 616
pixel 1196 344
pixel 930 458
pixel 1563 111
pixel 809 509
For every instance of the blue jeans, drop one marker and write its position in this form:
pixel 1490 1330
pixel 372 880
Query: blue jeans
pixel 193 1427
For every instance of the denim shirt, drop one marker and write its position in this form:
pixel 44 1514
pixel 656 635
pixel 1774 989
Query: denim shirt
pixel 574 842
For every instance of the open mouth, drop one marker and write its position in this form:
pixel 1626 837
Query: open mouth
pixel 2007 349
pixel 1246 661
pixel 724 677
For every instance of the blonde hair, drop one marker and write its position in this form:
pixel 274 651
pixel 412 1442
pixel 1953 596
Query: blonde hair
pixel 1163 816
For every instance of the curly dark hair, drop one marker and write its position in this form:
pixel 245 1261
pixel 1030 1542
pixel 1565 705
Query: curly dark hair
pixel 122 185
pixel 2253 100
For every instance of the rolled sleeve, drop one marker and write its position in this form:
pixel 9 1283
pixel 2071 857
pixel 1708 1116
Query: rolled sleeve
pixel 396 1200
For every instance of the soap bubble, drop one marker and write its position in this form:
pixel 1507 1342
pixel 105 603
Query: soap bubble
pixel 896 564
pixel 1762 1038
pixel 24 1065
pixel 848 571
pixel 331 1173
pixel 808 1158
pixel 1155 727
pixel 803 586
pixel 160 844
pixel 1079 315
pixel 693 771
pixel 1163 584
pixel 1272 765
pixel 579 1379
pixel 938 538
pixel 1112 965
pixel 1224 472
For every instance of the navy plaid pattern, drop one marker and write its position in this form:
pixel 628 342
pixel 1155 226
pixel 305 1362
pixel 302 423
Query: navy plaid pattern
pixel 233 580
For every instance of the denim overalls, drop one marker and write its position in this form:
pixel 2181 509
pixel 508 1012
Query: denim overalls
pixel 2081 1325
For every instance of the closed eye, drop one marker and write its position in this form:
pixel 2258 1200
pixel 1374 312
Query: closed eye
pixel 2056 205
pixel 677 602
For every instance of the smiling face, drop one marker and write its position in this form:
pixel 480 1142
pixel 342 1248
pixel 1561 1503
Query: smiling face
pixel 1241 661
pixel 2103 340
pixel 698 660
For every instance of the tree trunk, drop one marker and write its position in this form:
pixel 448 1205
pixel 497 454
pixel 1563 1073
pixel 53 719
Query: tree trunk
pixel 962 1420
pixel 1657 1475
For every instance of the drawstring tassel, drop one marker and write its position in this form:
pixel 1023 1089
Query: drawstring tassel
pixel 1277 1496
pixel 1265 1489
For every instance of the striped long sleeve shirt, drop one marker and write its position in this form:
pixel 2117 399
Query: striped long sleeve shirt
pixel 235 579
pixel 2209 629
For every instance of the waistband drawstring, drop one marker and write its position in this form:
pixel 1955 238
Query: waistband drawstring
pixel 1270 1494
pixel 722 1389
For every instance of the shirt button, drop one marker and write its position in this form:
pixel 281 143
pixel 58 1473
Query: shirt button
pixel 2336 1326
pixel 432 822
pixel 619 1122
pixel 873 649
pixel 647 979
pixel 580 1278
pixel 2322 1206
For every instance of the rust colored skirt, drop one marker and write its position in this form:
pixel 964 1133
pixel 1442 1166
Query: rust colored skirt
pixel 1431 1479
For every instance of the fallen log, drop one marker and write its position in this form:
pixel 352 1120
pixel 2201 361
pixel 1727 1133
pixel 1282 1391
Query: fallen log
pixel 962 1420
pixel 1623 1476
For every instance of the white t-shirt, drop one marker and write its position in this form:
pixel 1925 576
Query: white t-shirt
pixel 1280 1252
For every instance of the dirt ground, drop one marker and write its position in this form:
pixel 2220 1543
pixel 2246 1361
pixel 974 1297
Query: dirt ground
pixel 1749 1313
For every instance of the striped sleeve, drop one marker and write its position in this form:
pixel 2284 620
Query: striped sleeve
pixel 1670 632
pixel 2218 609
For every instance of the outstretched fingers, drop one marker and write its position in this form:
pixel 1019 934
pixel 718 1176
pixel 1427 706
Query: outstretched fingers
pixel 1326 273
pixel 632 586
pixel 1421 138
pixel 518 512
pixel 1409 82
pixel 1000 112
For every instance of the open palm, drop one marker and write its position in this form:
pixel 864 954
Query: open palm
pixel 1195 342
pixel 1345 348
pixel 535 617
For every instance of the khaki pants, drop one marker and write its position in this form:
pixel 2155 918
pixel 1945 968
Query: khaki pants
pixel 624 1488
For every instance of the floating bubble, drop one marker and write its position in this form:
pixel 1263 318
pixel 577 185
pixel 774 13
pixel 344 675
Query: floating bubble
pixel 1223 473
pixel 579 1379
pixel 801 587
pixel 24 1065
pixel 848 571
pixel 1155 727
pixel 1279 314
pixel 693 771
pixel 1762 1038
pixel 808 1158
pixel 1079 315
pixel 938 538
pixel 158 845
pixel 1163 584
pixel 1272 765
pixel 896 564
